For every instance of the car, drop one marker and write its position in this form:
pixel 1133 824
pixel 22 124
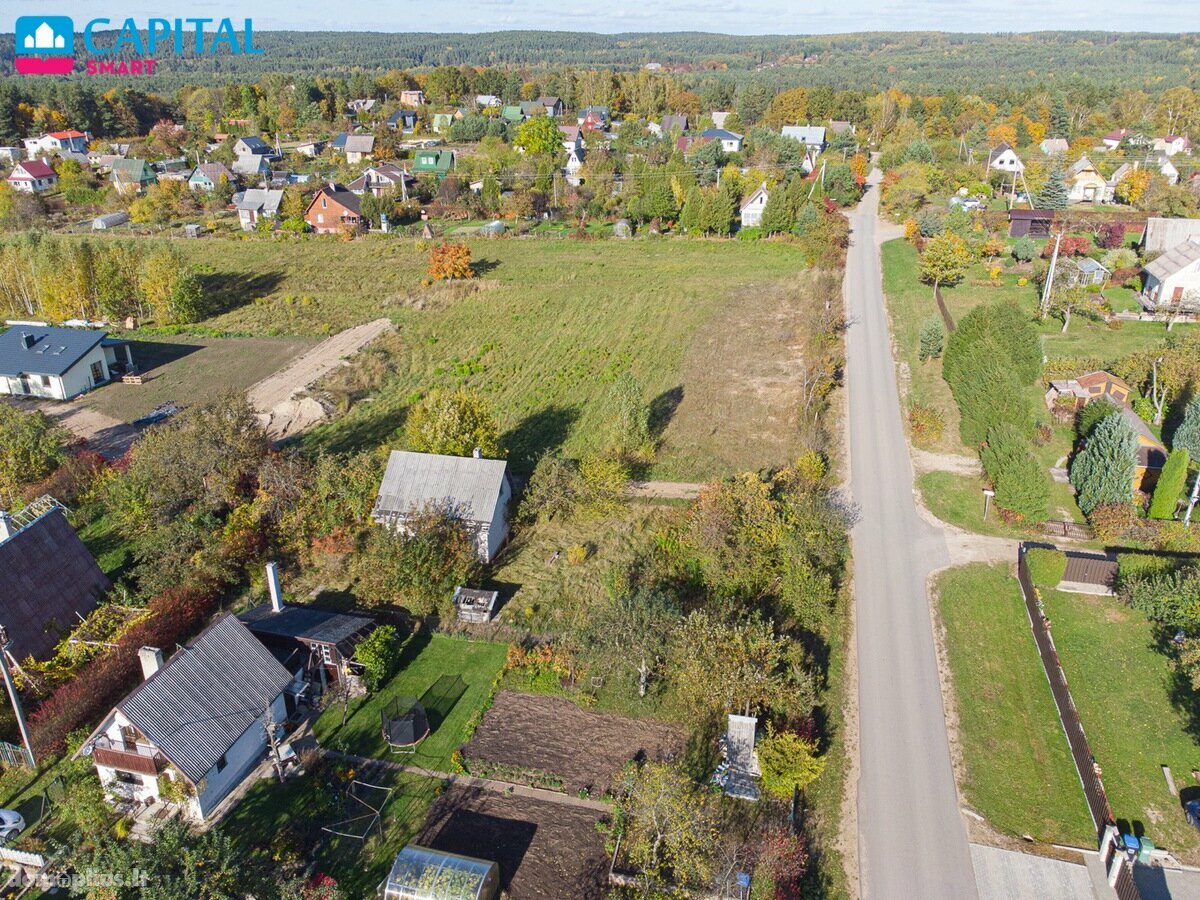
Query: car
pixel 12 823
pixel 967 203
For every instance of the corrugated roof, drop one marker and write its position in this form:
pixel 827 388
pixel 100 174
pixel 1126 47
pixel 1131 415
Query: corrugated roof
pixel 305 623
pixel 1174 260
pixel 414 481
pixel 360 143
pixel 805 134
pixel 258 199
pixel 1086 568
pixel 52 352
pixel 1163 234
pixel 197 705
pixel 47 577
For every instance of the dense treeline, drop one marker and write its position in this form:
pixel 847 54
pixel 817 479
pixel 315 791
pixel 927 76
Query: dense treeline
pixel 921 61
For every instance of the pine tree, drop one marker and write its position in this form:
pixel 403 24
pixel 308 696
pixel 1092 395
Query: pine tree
pixel 1060 119
pixel 933 337
pixel 1054 193
pixel 1104 470
pixel 1187 435
pixel 777 215
pixel 689 217
pixel 1171 482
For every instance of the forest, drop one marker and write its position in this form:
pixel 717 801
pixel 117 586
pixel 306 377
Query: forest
pixel 920 61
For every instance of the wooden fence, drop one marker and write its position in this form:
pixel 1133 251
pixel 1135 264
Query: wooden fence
pixel 1085 762
pixel 1071 530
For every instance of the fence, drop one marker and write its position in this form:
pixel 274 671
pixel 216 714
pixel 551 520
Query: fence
pixel 1085 763
pixel 1071 530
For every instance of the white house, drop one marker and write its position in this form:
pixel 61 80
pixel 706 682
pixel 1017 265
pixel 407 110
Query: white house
pixel 1166 168
pixel 1172 144
pixel 1085 184
pixel 572 138
pixel 32 177
pixel 54 142
pixel 251 145
pixel 485 100
pixel 1054 146
pixel 1161 235
pixel 256 204
pixel 201 721
pixel 475 489
pixel 731 141
pixel 359 147
pixel 752 208
pixel 1173 279
pixel 811 136
pixel 573 167
pixel 380 180
pixel 59 363
pixel 1005 159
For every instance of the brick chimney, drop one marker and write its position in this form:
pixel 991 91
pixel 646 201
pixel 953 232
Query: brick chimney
pixel 151 659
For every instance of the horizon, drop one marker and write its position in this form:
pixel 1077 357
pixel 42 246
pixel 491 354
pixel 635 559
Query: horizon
pixel 625 17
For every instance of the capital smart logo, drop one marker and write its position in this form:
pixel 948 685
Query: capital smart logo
pixel 45 45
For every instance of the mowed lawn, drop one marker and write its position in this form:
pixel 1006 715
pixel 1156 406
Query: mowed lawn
pixel 910 304
pixel 1138 718
pixel 426 659
pixel 191 370
pixel 1018 768
pixel 708 328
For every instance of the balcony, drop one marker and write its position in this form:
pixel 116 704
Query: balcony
pixel 127 756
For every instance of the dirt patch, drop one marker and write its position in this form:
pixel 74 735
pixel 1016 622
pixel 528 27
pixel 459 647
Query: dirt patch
pixel 273 397
pixel 552 734
pixel 741 393
pixel 107 436
pixel 545 851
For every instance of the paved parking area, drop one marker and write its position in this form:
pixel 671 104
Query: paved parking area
pixel 1008 875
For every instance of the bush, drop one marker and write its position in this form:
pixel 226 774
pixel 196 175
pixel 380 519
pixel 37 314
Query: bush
pixel 379 655
pixel 926 425
pixel 450 261
pixel 1111 520
pixel 1172 598
pixel 577 554
pixel 1171 483
pixel 933 337
pixel 752 233
pixel 1134 566
pixel 1092 415
pixel 1022 485
pixel 1024 249
pixel 1111 235
pixel 1046 567
pixel 929 224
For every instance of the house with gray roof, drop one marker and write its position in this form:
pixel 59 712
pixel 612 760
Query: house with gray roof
pixel 201 720
pixel 475 489
pixel 811 136
pixel 48 580
pixel 207 176
pixel 256 204
pixel 359 147
pixel 1172 280
pixel 59 363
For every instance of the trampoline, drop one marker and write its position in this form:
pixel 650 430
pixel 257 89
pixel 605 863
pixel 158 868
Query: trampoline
pixel 404 723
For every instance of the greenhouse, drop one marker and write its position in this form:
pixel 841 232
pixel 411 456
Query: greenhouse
pixel 423 874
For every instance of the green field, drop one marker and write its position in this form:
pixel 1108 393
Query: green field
pixel 272 819
pixel 1138 716
pixel 190 370
pixel 1018 768
pixel 426 658
pixel 910 303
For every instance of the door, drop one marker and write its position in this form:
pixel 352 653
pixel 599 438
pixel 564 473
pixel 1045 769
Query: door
pixel 1089 193
pixel 97 372
pixel 1177 295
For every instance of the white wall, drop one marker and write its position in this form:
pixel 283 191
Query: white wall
pixel 1161 292
pixel 494 535
pixel 245 753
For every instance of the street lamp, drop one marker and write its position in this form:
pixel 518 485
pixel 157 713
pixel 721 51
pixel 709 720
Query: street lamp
pixel 988 494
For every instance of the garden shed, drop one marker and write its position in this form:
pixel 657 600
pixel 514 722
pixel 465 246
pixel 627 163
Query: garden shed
pixel 475 605
pixel 420 873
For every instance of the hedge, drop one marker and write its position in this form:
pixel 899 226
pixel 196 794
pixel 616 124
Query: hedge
pixel 1046 567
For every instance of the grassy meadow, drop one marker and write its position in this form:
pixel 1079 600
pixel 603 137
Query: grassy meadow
pixel 1017 766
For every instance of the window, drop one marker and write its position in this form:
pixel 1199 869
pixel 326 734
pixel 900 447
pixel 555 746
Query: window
pixel 222 763
pixel 322 203
pixel 129 778
pixel 45 381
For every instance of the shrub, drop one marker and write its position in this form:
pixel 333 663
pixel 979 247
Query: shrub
pixel 450 261
pixel 1103 471
pixel 1069 246
pixel 1046 567
pixel 1022 485
pixel 926 424
pixel 1092 415
pixel 1111 235
pixel 577 554
pixel 753 233
pixel 1171 482
pixel 1172 598
pixel 1024 249
pixel 453 424
pixel 788 762
pixel 1133 566
pixel 933 337
pixel 929 224
pixel 1111 520
pixel 604 481
pixel 379 655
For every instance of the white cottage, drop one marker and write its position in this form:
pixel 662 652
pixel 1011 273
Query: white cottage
pixel 1005 159
pixel 752 208
pixel 197 725
pixel 59 363
pixel 474 488
pixel 1173 279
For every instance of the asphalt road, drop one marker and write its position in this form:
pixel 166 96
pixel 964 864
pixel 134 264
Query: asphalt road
pixel 912 839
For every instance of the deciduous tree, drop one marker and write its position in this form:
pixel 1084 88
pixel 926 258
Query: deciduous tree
pixel 453 423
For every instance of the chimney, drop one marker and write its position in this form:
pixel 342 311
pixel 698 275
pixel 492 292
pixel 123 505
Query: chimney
pixel 477 453
pixel 273 587
pixel 27 340
pixel 151 659
pixel 7 527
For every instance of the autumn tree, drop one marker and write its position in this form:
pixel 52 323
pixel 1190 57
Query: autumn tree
pixel 450 261
pixel 788 107
pixel 539 135
pixel 31 447
pixel 788 761
pixel 721 667
pixel 453 423
pixel 945 260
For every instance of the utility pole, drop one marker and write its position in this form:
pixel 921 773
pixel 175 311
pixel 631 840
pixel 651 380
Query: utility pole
pixel 269 728
pixel 1187 516
pixel 1044 306
pixel 15 698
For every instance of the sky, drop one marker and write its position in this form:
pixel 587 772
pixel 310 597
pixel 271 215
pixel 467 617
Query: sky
pixel 724 16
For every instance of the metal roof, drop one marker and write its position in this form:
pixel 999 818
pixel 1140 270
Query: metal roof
pixel 52 351
pixel 258 199
pixel 360 143
pixel 1174 260
pixel 198 704
pixel 47 580
pixel 305 623
pixel 805 134
pixel 1163 234
pixel 415 481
